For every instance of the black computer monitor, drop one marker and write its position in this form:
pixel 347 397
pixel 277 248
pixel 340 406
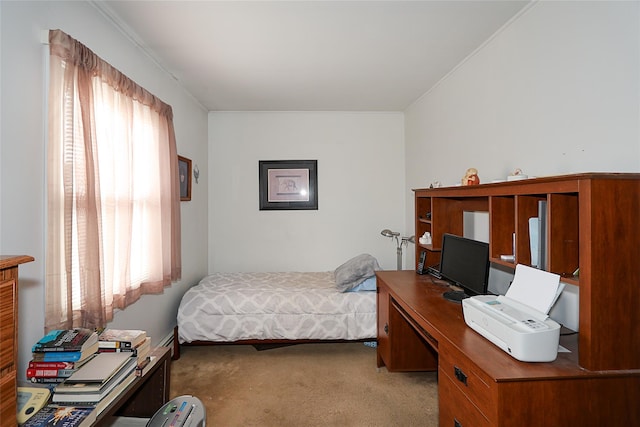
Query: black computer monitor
pixel 465 263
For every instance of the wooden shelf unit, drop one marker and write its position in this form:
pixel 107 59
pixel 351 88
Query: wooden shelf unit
pixel 593 222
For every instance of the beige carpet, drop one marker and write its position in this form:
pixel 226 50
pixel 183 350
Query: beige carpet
pixel 303 385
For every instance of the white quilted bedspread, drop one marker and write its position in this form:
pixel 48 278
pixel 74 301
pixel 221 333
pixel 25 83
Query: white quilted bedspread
pixel 292 305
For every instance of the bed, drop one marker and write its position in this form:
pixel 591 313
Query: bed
pixel 283 307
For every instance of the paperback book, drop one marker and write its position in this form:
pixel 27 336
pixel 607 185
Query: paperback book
pixel 121 338
pixel 47 380
pixel 48 373
pixel 65 356
pixel 60 366
pixel 61 416
pixel 66 340
pixel 99 370
pixel 141 351
pixel 53 365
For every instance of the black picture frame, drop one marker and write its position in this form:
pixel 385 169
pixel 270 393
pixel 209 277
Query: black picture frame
pixel 184 174
pixel 288 184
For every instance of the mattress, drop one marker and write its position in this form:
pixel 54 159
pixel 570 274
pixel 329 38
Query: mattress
pixel 227 307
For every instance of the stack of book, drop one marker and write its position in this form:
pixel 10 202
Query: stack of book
pixel 52 372
pixel 133 341
pixel 58 354
pixel 78 400
pixel 86 371
pixel 105 374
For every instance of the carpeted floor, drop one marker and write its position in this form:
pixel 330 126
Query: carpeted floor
pixel 303 385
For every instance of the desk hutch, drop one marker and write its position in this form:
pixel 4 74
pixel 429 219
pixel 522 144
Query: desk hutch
pixel 593 222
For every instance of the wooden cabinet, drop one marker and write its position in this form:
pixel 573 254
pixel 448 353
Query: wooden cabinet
pixel 400 346
pixel 9 336
pixel 384 347
pixel 593 226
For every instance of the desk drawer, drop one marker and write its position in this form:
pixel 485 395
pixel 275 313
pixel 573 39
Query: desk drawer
pixel 456 410
pixel 470 380
pixel 8 399
pixel 8 318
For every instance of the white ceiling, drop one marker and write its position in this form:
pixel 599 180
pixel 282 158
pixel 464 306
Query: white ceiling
pixel 309 55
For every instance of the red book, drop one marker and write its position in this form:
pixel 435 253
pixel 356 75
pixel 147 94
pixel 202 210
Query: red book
pixel 52 365
pixel 38 364
pixel 48 373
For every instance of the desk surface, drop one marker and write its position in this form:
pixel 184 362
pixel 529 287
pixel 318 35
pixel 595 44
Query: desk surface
pixel 145 394
pixel 421 297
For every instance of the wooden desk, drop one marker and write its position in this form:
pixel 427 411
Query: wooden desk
pixel 146 394
pixel 479 384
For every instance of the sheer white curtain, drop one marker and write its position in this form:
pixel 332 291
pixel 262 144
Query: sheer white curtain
pixel 113 190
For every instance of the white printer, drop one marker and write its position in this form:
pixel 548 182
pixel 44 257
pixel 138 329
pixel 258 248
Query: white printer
pixel 518 322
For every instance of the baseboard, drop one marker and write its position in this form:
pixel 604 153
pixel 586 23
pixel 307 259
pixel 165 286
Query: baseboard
pixel 167 341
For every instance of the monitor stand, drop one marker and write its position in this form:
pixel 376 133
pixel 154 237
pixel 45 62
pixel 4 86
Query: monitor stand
pixel 455 296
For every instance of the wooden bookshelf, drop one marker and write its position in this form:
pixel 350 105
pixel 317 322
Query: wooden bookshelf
pixel 593 223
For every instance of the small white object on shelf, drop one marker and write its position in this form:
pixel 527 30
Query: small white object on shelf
pixel 517 175
pixel 425 239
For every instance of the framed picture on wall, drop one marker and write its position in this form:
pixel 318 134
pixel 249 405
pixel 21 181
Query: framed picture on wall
pixel 288 184
pixel 184 173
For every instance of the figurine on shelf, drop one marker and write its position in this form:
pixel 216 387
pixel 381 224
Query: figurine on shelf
pixel 471 177
pixel 516 175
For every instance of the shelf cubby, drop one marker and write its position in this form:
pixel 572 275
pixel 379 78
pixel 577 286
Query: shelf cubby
pixel 501 227
pixel 563 235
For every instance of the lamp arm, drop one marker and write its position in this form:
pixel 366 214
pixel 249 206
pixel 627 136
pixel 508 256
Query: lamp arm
pixel 400 241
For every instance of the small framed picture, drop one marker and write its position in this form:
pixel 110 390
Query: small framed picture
pixel 288 184
pixel 184 173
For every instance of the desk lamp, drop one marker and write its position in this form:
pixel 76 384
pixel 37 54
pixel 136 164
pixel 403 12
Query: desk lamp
pixel 400 241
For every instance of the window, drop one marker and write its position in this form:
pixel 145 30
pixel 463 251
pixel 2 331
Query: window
pixel 113 231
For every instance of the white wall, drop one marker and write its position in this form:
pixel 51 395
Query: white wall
pixel 556 91
pixel 360 190
pixel 22 175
